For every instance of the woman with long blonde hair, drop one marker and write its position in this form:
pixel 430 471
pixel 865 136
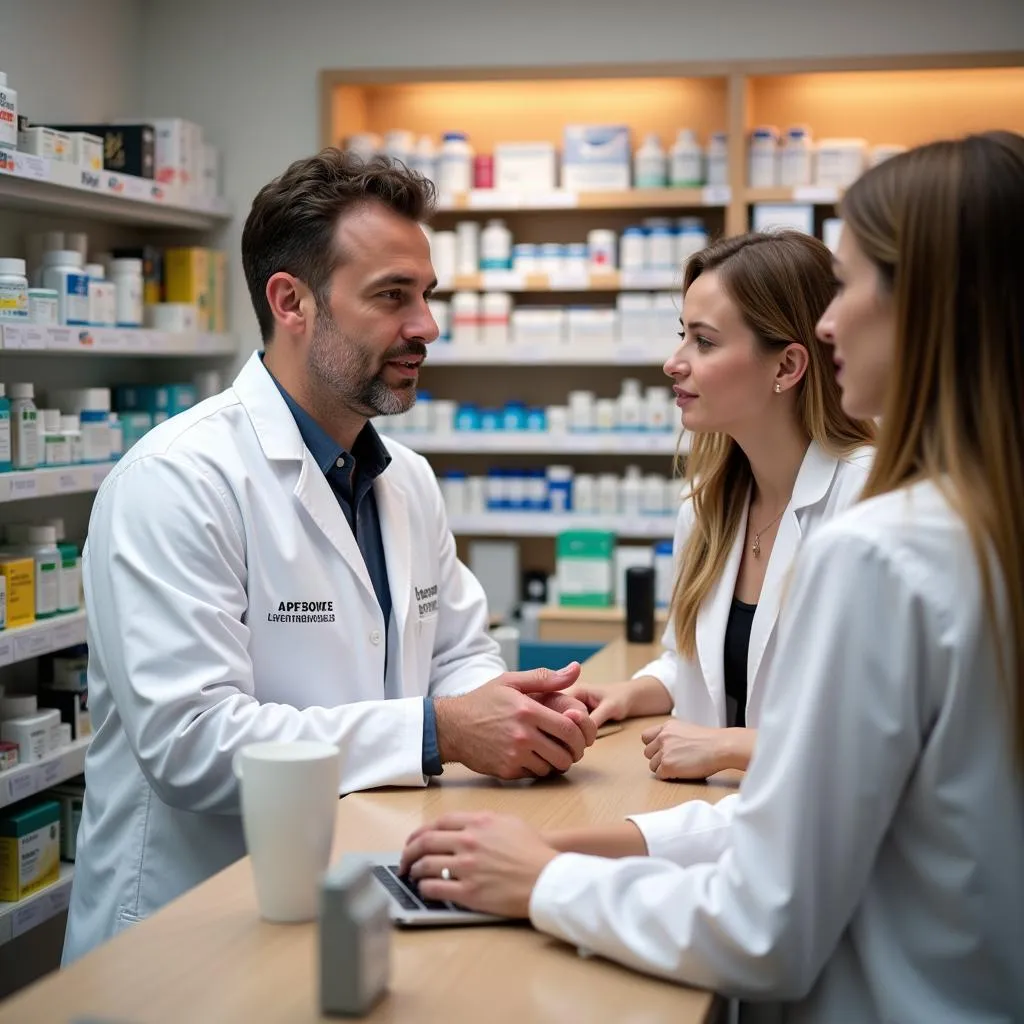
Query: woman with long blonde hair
pixel 874 869
pixel 773 456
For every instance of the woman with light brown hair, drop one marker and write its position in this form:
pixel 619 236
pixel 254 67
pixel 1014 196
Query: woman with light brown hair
pixel 874 869
pixel 773 456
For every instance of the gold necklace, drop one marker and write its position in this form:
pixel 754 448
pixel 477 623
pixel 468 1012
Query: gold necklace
pixel 756 546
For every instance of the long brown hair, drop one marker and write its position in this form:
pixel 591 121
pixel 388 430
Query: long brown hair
pixel 781 283
pixel 943 223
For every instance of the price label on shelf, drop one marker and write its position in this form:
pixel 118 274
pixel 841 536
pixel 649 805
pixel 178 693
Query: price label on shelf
pixel 24 485
pixel 68 482
pixel 90 180
pixel 99 474
pixel 648 278
pixel 556 200
pixel 21 785
pixel 32 646
pixel 28 166
pixel 14 336
pixel 53 771
pixel 491 199
pixel 6 651
pixel 67 634
pixel 68 338
pixel 35 338
pixel 569 281
pixel 716 195
pixel 25 918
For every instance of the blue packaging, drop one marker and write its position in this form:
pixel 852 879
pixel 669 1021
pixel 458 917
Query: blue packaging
pixel 467 417
pixel 491 419
pixel 514 417
pixel 537 420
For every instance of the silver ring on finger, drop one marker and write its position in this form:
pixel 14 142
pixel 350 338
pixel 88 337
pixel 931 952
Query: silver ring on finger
pixel 446 874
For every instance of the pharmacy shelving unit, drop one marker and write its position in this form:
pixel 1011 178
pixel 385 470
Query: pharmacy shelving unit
pixel 551 524
pixel 885 100
pixel 518 442
pixel 114 209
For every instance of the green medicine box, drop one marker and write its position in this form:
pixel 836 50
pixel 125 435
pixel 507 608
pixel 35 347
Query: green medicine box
pixel 29 849
pixel 584 562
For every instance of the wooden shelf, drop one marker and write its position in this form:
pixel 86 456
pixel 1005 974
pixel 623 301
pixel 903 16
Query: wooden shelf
pixel 612 282
pixel 449 354
pixel 491 201
pixel 819 195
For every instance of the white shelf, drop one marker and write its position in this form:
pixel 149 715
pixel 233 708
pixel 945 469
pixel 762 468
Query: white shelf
pixel 42 483
pixel 448 354
pixel 36 183
pixel 110 341
pixel 468 442
pixel 28 779
pixel 550 524
pixel 486 200
pixel 26 642
pixel 18 918
pixel 818 195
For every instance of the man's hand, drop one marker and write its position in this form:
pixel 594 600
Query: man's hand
pixel 682 750
pixel 484 861
pixel 504 729
pixel 575 710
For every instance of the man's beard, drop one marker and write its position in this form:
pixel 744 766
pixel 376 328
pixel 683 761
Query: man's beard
pixel 344 372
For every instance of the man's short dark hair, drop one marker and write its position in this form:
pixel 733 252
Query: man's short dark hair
pixel 292 221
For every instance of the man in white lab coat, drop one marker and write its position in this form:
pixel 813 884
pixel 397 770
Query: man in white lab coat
pixel 265 567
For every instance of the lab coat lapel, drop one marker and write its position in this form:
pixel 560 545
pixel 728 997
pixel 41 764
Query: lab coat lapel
pixel 281 441
pixel 713 617
pixel 393 509
pixel 812 483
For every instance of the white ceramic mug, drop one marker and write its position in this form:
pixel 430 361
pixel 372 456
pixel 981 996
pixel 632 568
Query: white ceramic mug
pixel 289 799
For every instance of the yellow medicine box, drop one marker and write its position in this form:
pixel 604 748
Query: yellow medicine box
pixel 187 279
pixel 19 574
pixel 29 849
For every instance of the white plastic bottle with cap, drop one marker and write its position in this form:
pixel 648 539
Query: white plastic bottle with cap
pixel 64 273
pixel 24 427
pixel 40 542
pixel 686 161
pixel 424 158
pixel 127 277
pixel 609 493
pixel 455 165
pixel 56 448
pixel 718 159
pixel 632 492
pixel 763 152
pixel 71 428
pixel 13 290
pixel 649 164
pixel 797 157
pixel 496 246
pixel 631 407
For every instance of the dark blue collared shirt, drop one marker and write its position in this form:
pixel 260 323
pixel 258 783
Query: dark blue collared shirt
pixel 351 476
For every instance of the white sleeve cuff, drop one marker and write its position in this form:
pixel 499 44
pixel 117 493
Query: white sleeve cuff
pixel 694 832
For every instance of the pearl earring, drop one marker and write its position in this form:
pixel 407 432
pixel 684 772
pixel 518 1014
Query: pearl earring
pixel 778 388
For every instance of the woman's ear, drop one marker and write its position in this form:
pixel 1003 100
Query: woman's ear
pixel 791 367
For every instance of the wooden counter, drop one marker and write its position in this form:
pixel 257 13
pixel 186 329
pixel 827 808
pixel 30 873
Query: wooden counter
pixel 207 957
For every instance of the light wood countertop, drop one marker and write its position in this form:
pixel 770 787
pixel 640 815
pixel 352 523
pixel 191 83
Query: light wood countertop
pixel 207 957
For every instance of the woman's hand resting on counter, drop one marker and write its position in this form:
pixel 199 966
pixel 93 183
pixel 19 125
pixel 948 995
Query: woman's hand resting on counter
pixel 682 750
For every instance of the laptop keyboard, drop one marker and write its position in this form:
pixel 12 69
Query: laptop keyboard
pixel 406 891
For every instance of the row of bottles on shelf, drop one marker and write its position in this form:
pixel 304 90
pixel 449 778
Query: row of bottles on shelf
pixel 88 425
pixel 169 151
pixel 40 573
pixel 492 320
pixel 592 158
pixel 633 410
pixel 658 244
pixel 174 290
pixel 560 489
pixel 795 159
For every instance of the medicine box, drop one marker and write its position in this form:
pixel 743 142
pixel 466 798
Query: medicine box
pixel 596 158
pixel 48 142
pixel 19 577
pixel 218 291
pixel 525 167
pixel 584 568
pixel 152 269
pixel 187 279
pixel 8 755
pixel 538 326
pixel 73 706
pixel 127 148
pixel 70 796
pixel 86 151
pixel 29 848
pixel 176 152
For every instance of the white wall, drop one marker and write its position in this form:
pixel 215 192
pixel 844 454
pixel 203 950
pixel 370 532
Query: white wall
pixel 72 61
pixel 248 70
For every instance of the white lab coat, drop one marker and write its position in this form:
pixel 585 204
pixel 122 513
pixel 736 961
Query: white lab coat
pixel 875 864
pixel 229 603
pixel 825 487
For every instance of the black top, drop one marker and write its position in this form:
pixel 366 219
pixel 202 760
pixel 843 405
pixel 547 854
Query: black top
pixel 737 643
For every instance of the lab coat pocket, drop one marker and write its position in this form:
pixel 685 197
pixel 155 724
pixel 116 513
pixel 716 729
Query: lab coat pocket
pixel 125 919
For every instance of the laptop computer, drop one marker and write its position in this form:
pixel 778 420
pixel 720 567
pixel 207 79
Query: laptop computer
pixel 405 904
